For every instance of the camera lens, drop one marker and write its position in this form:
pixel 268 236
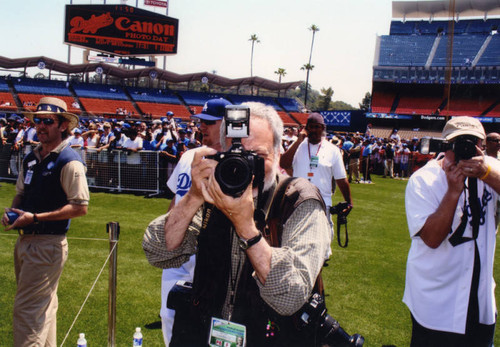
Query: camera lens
pixel 233 175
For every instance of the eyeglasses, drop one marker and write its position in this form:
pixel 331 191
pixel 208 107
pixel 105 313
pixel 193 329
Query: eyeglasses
pixel 207 122
pixel 46 121
pixel 493 140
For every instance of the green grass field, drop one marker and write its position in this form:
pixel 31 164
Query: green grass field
pixel 364 282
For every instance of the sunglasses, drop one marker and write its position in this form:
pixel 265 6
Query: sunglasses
pixel 493 140
pixel 207 122
pixel 46 121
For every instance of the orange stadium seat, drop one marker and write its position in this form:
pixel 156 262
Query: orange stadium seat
pixel 468 107
pixel 158 110
pixel 34 98
pixel 106 106
pixel 287 121
pixel 300 117
pixel 6 98
pixel 418 105
pixel 382 101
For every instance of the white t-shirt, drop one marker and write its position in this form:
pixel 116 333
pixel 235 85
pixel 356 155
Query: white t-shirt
pixel 330 164
pixel 438 281
pixel 72 140
pixel 133 158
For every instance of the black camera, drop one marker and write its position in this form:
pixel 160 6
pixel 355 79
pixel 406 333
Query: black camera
pixel 341 216
pixel 237 166
pixel 314 316
pixel 179 297
pixel 463 146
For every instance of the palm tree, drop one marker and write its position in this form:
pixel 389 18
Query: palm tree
pixel 307 67
pixel 313 28
pixel 281 72
pixel 254 40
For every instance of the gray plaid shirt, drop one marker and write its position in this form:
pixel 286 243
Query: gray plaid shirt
pixel 294 266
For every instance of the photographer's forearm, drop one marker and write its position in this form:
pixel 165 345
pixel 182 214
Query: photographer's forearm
pixel 438 225
pixel 286 159
pixel 179 219
pixel 345 189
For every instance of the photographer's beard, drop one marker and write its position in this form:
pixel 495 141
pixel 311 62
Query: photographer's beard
pixel 270 178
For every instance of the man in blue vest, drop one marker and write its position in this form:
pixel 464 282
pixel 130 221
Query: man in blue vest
pixel 51 189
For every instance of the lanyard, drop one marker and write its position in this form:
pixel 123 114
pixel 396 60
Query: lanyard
pixel 309 150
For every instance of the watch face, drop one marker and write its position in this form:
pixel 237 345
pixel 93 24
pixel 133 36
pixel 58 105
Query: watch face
pixel 243 244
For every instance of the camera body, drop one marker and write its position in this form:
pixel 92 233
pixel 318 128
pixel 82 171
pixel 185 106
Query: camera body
pixel 237 167
pixel 337 209
pixel 179 297
pixel 314 315
pixel 463 146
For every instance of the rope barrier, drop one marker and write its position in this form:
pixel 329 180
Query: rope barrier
pixel 88 295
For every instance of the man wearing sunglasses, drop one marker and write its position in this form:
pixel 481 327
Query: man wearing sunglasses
pixel 493 145
pixel 51 189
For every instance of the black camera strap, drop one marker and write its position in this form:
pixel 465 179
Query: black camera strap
pixel 346 235
pixel 475 211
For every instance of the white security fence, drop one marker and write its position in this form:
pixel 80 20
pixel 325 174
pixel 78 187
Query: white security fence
pixel 116 170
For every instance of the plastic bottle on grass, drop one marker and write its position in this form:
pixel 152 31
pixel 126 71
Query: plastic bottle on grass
pixel 81 341
pixel 137 338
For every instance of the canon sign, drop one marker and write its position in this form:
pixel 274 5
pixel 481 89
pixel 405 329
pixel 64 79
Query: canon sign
pixel 120 30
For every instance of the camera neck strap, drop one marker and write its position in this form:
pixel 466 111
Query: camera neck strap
pixel 338 234
pixel 458 236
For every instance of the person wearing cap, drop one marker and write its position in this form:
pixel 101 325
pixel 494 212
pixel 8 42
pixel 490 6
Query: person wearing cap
pixel 179 183
pixel 51 190
pixel 315 158
pixel 450 209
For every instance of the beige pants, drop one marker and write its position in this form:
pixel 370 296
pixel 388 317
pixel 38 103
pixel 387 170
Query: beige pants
pixel 354 169
pixel 38 262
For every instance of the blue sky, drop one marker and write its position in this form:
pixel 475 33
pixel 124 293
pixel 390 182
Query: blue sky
pixel 213 35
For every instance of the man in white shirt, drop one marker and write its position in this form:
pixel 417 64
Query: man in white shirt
pixel 450 208
pixel 315 158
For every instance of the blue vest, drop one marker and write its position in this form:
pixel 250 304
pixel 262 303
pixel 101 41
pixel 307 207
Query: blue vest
pixel 43 191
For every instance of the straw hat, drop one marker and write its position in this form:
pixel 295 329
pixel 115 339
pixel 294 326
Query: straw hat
pixel 49 105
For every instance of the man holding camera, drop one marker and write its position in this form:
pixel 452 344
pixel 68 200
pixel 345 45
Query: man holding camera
pixel 51 190
pixel 450 208
pixel 318 160
pixel 240 280
pixel 180 183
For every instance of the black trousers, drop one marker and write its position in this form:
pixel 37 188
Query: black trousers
pixel 477 335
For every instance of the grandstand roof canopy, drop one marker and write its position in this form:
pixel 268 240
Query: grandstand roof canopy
pixel 112 70
pixel 440 9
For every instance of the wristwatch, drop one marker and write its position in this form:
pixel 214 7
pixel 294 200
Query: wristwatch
pixel 246 244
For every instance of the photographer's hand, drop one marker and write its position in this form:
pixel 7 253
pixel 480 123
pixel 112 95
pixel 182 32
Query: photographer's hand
pixel 24 219
pixel 474 167
pixel 240 212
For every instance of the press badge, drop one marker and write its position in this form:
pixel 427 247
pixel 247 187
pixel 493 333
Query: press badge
pixel 29 173
pixel 314 162
pixel 29 176
pixel 224 333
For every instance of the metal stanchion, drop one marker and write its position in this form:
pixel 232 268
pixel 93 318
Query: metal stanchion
pixel 113 229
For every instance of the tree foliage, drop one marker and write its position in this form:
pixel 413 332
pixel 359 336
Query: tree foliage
pixel 366 103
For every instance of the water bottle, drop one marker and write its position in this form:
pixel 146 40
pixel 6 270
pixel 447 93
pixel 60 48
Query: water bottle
pixel 137 338
pixel 81 341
